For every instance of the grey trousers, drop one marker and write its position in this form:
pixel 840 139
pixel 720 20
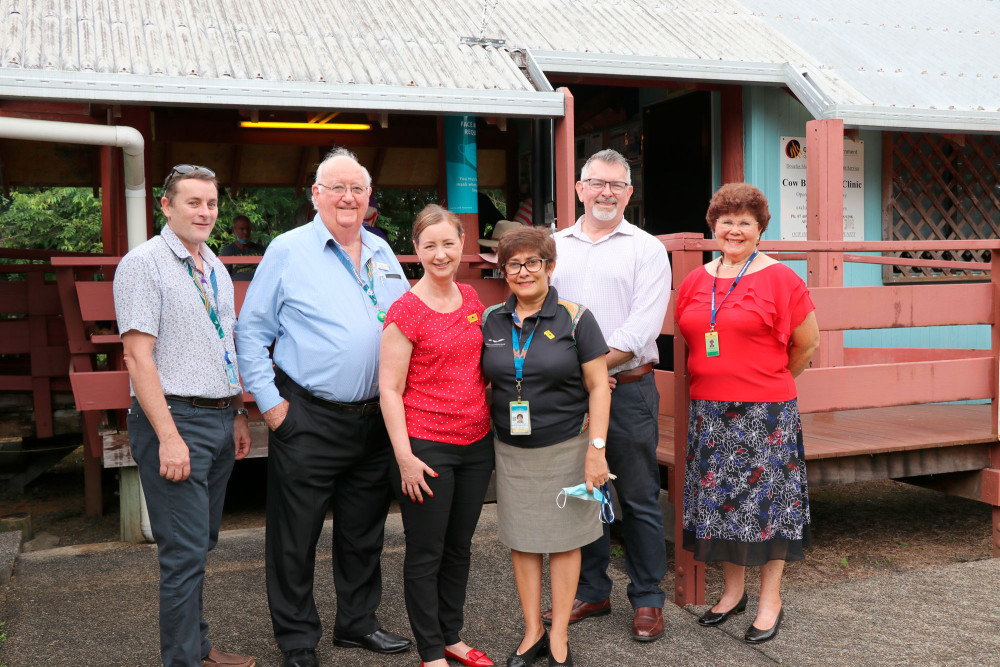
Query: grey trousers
pixel 184 517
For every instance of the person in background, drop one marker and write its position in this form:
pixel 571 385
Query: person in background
pixel 434 403
pixel 545 358
pixel 241 247
pixel 751 329
pixel 623 275
pixel 176 310
pixel 371 217
pixel 320 297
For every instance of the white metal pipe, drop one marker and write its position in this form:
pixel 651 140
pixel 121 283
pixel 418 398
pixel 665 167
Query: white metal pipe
pixel 128 139
pixel 132 144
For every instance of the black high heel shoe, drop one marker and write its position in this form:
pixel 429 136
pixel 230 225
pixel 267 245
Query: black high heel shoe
pixel 755 635
pixel 526 659
pixel 569 658
pixel 711 618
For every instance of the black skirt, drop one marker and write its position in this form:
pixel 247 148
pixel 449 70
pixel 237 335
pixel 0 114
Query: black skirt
pixel 745 495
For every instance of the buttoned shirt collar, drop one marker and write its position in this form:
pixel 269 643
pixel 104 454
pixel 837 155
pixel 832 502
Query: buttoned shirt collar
pixel 325 237
pixel 178 248
pixel 623 227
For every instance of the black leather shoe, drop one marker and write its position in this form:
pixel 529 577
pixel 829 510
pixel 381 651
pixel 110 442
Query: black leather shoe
pixel 569 658
pixel 526 659
pixel 713 618
pixel 301 657
pixel 380 641
pixel 755 635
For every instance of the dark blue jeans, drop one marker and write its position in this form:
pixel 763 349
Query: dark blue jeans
pixel 184 517
pixel 631 453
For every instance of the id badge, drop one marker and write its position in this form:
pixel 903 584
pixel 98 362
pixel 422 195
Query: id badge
pixel 234 380
pixel 520 418
pixel 712 344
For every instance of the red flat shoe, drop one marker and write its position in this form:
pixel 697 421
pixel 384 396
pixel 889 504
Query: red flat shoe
pixel 474 658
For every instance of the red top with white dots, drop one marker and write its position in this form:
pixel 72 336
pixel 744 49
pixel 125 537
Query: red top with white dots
pixel 445 395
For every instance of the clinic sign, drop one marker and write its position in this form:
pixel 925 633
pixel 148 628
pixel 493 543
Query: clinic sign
pixel 793 189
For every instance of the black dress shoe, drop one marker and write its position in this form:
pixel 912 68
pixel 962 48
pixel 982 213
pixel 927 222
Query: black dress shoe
pixel 756 636
pixel 380 641
pixel 713 618
pixel 301 657
pixel 526 659
pixel 569 658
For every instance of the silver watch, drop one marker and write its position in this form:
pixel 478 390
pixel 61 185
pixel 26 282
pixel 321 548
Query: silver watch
pixel 241 411
pixel 598 443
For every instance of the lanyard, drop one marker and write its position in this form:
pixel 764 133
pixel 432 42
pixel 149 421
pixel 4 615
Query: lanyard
pixel 207 302
pixel 519 354
pixel 369 287
pixel 715 311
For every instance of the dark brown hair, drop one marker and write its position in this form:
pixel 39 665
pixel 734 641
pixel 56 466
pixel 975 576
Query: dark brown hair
pixel 523 239
pixel 738 198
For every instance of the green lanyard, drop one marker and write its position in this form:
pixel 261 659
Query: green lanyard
pixel 206 302
pixel 369 287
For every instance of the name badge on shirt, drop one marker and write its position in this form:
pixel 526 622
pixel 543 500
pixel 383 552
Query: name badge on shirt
pixel 711 343
pixel 234 379
pixel 520 418
pixel 473 318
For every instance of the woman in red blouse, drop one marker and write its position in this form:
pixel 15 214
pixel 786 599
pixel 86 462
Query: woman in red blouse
pixel 750 326
pixel 434 404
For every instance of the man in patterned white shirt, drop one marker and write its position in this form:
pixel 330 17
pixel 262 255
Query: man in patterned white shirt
pixel 622 274
pixel 175 306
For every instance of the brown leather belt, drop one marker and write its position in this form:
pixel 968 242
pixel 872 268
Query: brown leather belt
pixel 199 402
pixel 633 374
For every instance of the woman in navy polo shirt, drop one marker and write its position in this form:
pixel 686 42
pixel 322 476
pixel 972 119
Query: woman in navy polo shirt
pixel 546 360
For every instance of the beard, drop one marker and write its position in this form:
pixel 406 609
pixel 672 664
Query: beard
pixel 603 214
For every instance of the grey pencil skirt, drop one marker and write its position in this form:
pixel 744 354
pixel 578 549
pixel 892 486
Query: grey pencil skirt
pixel 528 481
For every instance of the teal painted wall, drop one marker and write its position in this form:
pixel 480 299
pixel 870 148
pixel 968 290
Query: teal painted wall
pixel 769 114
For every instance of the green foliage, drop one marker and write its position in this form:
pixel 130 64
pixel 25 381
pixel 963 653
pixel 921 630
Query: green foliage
pixel 51 219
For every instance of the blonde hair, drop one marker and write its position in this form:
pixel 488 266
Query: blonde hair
pixel 431 215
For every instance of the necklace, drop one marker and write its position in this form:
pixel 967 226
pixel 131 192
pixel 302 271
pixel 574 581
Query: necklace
pixel 723 263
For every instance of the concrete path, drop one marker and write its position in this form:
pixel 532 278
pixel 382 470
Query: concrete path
pixel 96 605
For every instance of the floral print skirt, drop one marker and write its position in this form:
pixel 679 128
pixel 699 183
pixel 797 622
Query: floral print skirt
pixel 745 495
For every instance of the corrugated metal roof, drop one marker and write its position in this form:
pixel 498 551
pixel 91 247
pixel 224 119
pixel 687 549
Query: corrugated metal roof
pixel 890 63
pixel 912 62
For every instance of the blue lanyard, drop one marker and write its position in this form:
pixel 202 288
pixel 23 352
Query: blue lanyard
pixel 715 311
pixel 369 287
pixel 519 354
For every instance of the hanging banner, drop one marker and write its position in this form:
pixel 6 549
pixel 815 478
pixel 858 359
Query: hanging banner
pixel 792 173
pixel 460 159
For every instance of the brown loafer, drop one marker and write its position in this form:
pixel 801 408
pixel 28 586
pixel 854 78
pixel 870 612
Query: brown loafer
pixel 217 658
pixel 647 625
pixel 581 610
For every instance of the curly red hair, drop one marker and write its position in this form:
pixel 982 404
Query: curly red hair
pixel 738 198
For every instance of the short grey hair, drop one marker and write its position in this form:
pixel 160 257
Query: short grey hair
pixel 608 156
pixel 333 155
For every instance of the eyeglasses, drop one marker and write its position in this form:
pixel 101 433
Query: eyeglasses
pixel 185 169
pixel 597 185
pixel 340 190
pixel 532 265
pixel 742 225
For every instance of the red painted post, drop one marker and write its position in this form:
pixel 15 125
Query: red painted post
pixel 732 134
pixel 565 164
pixel 995 403
pixel 825 219
pixel 689 574
pixel 470 223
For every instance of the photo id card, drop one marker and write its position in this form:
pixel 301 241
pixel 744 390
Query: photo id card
pixel 712 344
pixel 520 418
pixel 234 380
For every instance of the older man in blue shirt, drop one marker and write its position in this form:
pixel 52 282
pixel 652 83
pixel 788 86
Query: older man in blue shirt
pixel 320 294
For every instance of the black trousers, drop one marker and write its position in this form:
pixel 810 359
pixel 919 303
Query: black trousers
pixel 439 538
pixel 319 457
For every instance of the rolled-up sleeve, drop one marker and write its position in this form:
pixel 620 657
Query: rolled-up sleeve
pixel 650 300
pixel 257 327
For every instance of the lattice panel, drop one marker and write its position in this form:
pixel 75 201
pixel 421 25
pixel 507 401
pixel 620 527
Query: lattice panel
pixel 942 187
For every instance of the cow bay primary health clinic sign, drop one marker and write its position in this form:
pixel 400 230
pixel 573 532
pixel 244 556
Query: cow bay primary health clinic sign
pixel 793 189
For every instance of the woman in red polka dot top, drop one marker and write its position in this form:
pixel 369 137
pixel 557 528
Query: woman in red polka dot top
pixel 433 399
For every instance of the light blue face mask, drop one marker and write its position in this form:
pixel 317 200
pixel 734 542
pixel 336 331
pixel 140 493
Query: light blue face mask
pixel 600 494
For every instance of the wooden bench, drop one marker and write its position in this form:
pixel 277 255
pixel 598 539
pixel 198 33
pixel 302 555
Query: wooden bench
pixel 880 413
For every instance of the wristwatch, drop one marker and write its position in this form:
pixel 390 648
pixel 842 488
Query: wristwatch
pixel 598 443
pixel 241 411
